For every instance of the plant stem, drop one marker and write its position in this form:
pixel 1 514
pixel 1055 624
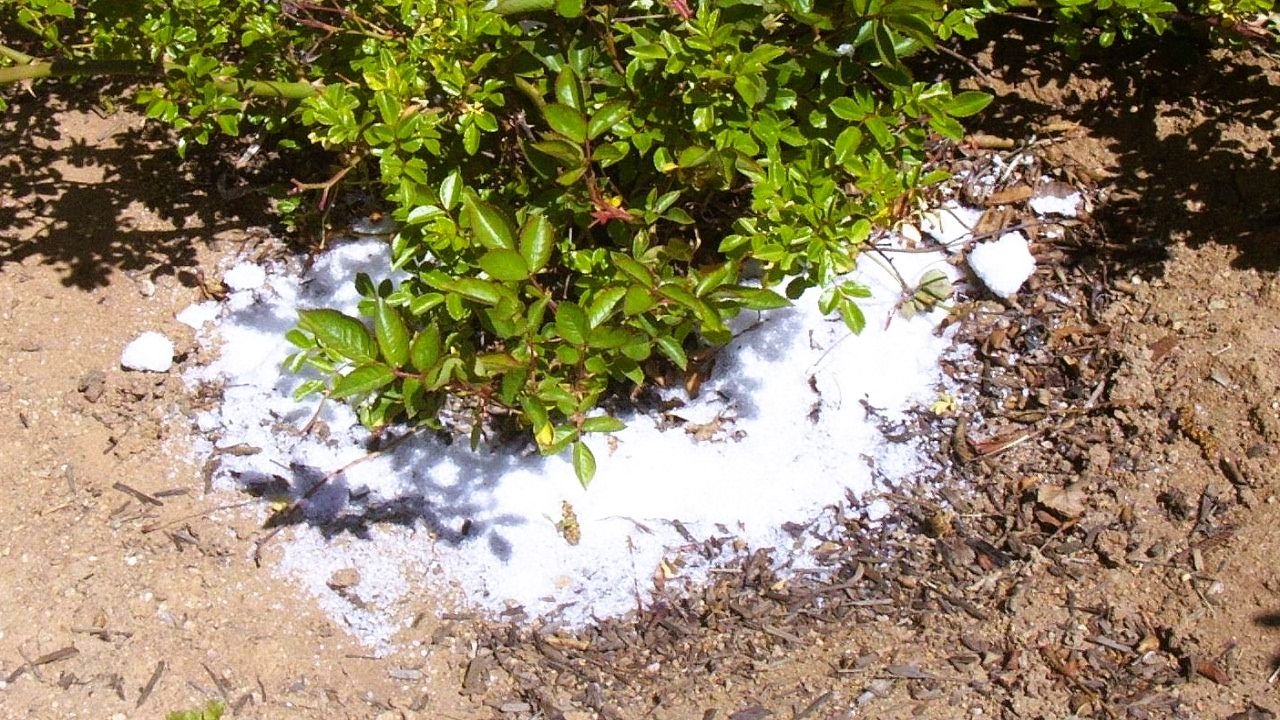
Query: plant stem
pixel 17 56
pixel 137 68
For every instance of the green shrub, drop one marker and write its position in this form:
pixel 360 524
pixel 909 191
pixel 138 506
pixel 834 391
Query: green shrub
pixel 587 191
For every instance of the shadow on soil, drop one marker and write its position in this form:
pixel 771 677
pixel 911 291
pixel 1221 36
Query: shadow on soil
pixel 73 180
pixel 1194 133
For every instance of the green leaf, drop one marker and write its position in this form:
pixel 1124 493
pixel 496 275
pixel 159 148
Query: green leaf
pixel 968 103
pixel 340 333
pixel 451 190
pixel 565 152
pixel 425 350
pixel 568 88
pixel 672 349
pixel 852 316
pixel 479 290
pixel 847 144
pixel 584 463
pixel 569 8
pixel 535 242
pixel 603 303
pixel 566 121
pixel 365 378
pixel 633 269
pixel 572 323
pixel 755 298
pixel 883 41
pixel 504 265
pixel 609 115
pixel 846 109
pixel 391 333
pixel 637 300
pixel 488 223
pixel 603 423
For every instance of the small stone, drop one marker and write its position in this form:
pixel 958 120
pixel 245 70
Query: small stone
pixel 344 579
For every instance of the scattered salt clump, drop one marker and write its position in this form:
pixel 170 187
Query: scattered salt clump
pixel 196 315
pixel 245 276
pixel 1057 198
pixel 1003 265
pixel 951 224
pixel 151 351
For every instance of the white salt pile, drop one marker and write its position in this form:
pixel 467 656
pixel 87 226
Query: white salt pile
pixel 1003 265
pixel 778 432
pixel 150 352
pixel 951 224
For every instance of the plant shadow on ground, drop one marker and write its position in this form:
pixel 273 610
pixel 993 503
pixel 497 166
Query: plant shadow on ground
pixel 449 493
pixel 110 194
pixel 1270 620
pixel 1201 170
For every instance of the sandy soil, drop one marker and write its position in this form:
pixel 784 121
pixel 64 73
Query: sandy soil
pixel 1151 591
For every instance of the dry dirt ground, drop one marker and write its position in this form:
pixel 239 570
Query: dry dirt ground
pixel 1100 539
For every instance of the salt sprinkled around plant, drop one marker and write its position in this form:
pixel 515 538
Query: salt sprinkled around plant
pixel 778 433
pixel 950 225
pixel 1050 204
pixel 245 276
pixel 150 352
pixel 1003 265
pixel 197 314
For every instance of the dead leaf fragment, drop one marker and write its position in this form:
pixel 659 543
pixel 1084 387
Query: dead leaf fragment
pixel 1210 669
pixel 1067 502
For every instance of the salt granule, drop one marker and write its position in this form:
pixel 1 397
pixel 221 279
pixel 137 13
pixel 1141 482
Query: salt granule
pixel 151 351
pixel 950 224
pixel 1003 265
pixel 1047 204
pixel 196 315
pixel 245 276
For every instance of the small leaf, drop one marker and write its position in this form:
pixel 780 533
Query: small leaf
pixel 584 463
pixel 488 223
pixel 451 190
pixel 479 290
pixel 609 115
pixel 536 241
pixel 566 121
pixel 852 316
pixel 365 378
pixel 565 152
pixel 504 265
pixel 391 333
pixel 968 103
pixel 603 303
pixel 343 334
pixel 637 300
pixel 571 323
pixel 569 8
pixel 425 350
pixel 755 298
pixel 602 423
pixel 568 88
pixel 633 269
pixel 673 351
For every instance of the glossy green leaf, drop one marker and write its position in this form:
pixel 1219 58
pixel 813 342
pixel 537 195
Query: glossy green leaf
pixel 584 463
pixel 536 240
pixel 604 119
pixel 424 352
pixel 490 225
pixel 668 346
pixel 363 379
pixel 391 333
pixel 603 423
pixel 603 304
pixel 340 333
pixel 504 265
pixel 968 103
pixel 566 121
pixel 572 323
pixel 569 88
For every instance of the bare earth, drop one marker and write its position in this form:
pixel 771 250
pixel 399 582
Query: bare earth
pixel 1103 544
